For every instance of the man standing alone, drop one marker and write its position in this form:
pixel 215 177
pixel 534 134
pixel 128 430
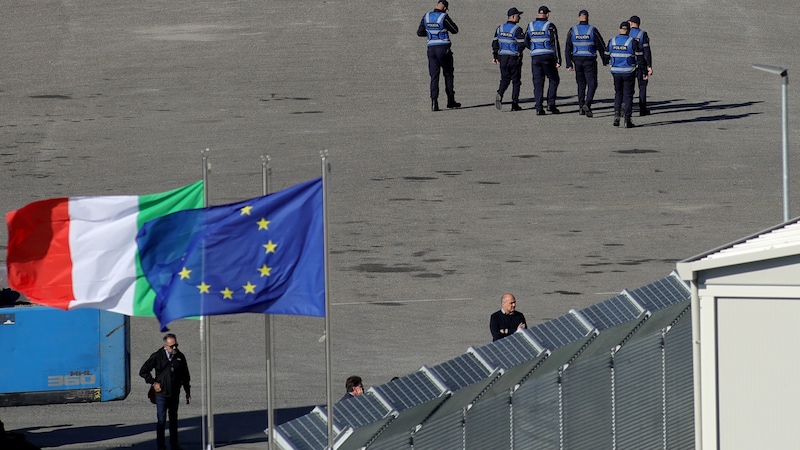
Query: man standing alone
pixel 171 372
pixel 437 26
pixel 583 40
pixel 507 47
pixel 508 320
pixel 542 40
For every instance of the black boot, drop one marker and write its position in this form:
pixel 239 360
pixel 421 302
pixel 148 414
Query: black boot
pixel 435 105
pixel 515 106
pixel 643 111
pixel 452 103
pixel 616 118
pixel 498 101
pixel 628 123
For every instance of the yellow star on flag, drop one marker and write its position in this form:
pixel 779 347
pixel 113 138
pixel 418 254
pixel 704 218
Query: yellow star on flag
pixel 270 246
pixel 227 293
pixel 184 273
pixel 246 210
pixel 203 287
pixel 263 224
pixel 249 288
pixel 265 270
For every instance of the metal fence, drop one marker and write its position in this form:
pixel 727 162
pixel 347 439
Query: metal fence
pixel 616 375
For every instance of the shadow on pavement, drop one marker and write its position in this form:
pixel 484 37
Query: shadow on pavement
pixel 232 428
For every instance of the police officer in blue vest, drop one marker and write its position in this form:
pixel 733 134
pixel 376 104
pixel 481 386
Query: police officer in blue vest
pixel 580 52
pixel 507 48
pixel 644 42
pixel 437 26
pixel 542 40
pixel 626 58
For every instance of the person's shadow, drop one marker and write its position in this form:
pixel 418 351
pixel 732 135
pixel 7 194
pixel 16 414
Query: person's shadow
pixel 605 108
pixel 233 428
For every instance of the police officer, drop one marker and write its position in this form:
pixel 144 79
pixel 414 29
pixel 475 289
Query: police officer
pixel 437 26
pixel 644 42
pixel 507 47
pixel 626 57
pixel 580 52
pixel 542 40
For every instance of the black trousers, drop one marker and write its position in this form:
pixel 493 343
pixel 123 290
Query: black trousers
pixel 510 73
pixel 167 407
pixel 440 59
pixel 586 76
pixel 642 88
pixel 541 67
pixel 623 92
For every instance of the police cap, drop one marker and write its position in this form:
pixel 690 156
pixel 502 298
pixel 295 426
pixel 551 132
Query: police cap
pixel 625 25
pixel 444 2
pixel 583 12
pixel 544 10
pixel 513 11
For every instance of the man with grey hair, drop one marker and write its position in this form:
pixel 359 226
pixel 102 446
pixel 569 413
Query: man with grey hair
pixel 171 373
pixel 508 320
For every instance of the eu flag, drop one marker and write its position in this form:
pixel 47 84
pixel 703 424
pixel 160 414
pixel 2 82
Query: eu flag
pixel 263 255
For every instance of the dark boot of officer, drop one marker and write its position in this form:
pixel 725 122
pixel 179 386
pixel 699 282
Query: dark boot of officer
pixel 643 111
pixel 451 100
pixel 515 106
pixel 435 104
pixel 628 123
pixel 616 118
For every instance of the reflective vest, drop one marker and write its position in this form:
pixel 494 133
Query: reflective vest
pixel 636 33
pixel 623 59
pixel 539 35
pixel 507 38
pixel 434 25
pixel 583 40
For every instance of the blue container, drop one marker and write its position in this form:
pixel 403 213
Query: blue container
pixel 52 356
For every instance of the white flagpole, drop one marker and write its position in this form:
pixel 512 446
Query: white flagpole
pixel 328 345
pixel 205 340
pixel 266 173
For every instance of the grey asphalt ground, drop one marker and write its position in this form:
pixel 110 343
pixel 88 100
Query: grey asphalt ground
pixel 432 215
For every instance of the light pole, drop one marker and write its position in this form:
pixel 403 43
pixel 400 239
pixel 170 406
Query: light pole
pixel 784 73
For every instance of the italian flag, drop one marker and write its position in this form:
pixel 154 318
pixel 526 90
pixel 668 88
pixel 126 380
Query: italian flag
pixel 80 252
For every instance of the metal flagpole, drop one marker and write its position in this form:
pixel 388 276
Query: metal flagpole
pixel 328 345
pixel 266 173
pixel 205 339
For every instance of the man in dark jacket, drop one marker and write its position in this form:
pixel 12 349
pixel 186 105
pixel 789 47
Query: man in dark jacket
pixel 171 372
pixel 508 320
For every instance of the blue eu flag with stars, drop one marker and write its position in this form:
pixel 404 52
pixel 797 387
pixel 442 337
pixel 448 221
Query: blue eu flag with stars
pixel 263 255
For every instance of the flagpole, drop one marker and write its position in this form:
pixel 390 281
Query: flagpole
pixel 266 172
pixel 205 338
pixel 328 340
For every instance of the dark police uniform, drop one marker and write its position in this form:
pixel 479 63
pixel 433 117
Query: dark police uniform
pixel 583 41
pixel 507 48
pixel 542 40
pixel 437 26
pixel 644 42
pixel 625 58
